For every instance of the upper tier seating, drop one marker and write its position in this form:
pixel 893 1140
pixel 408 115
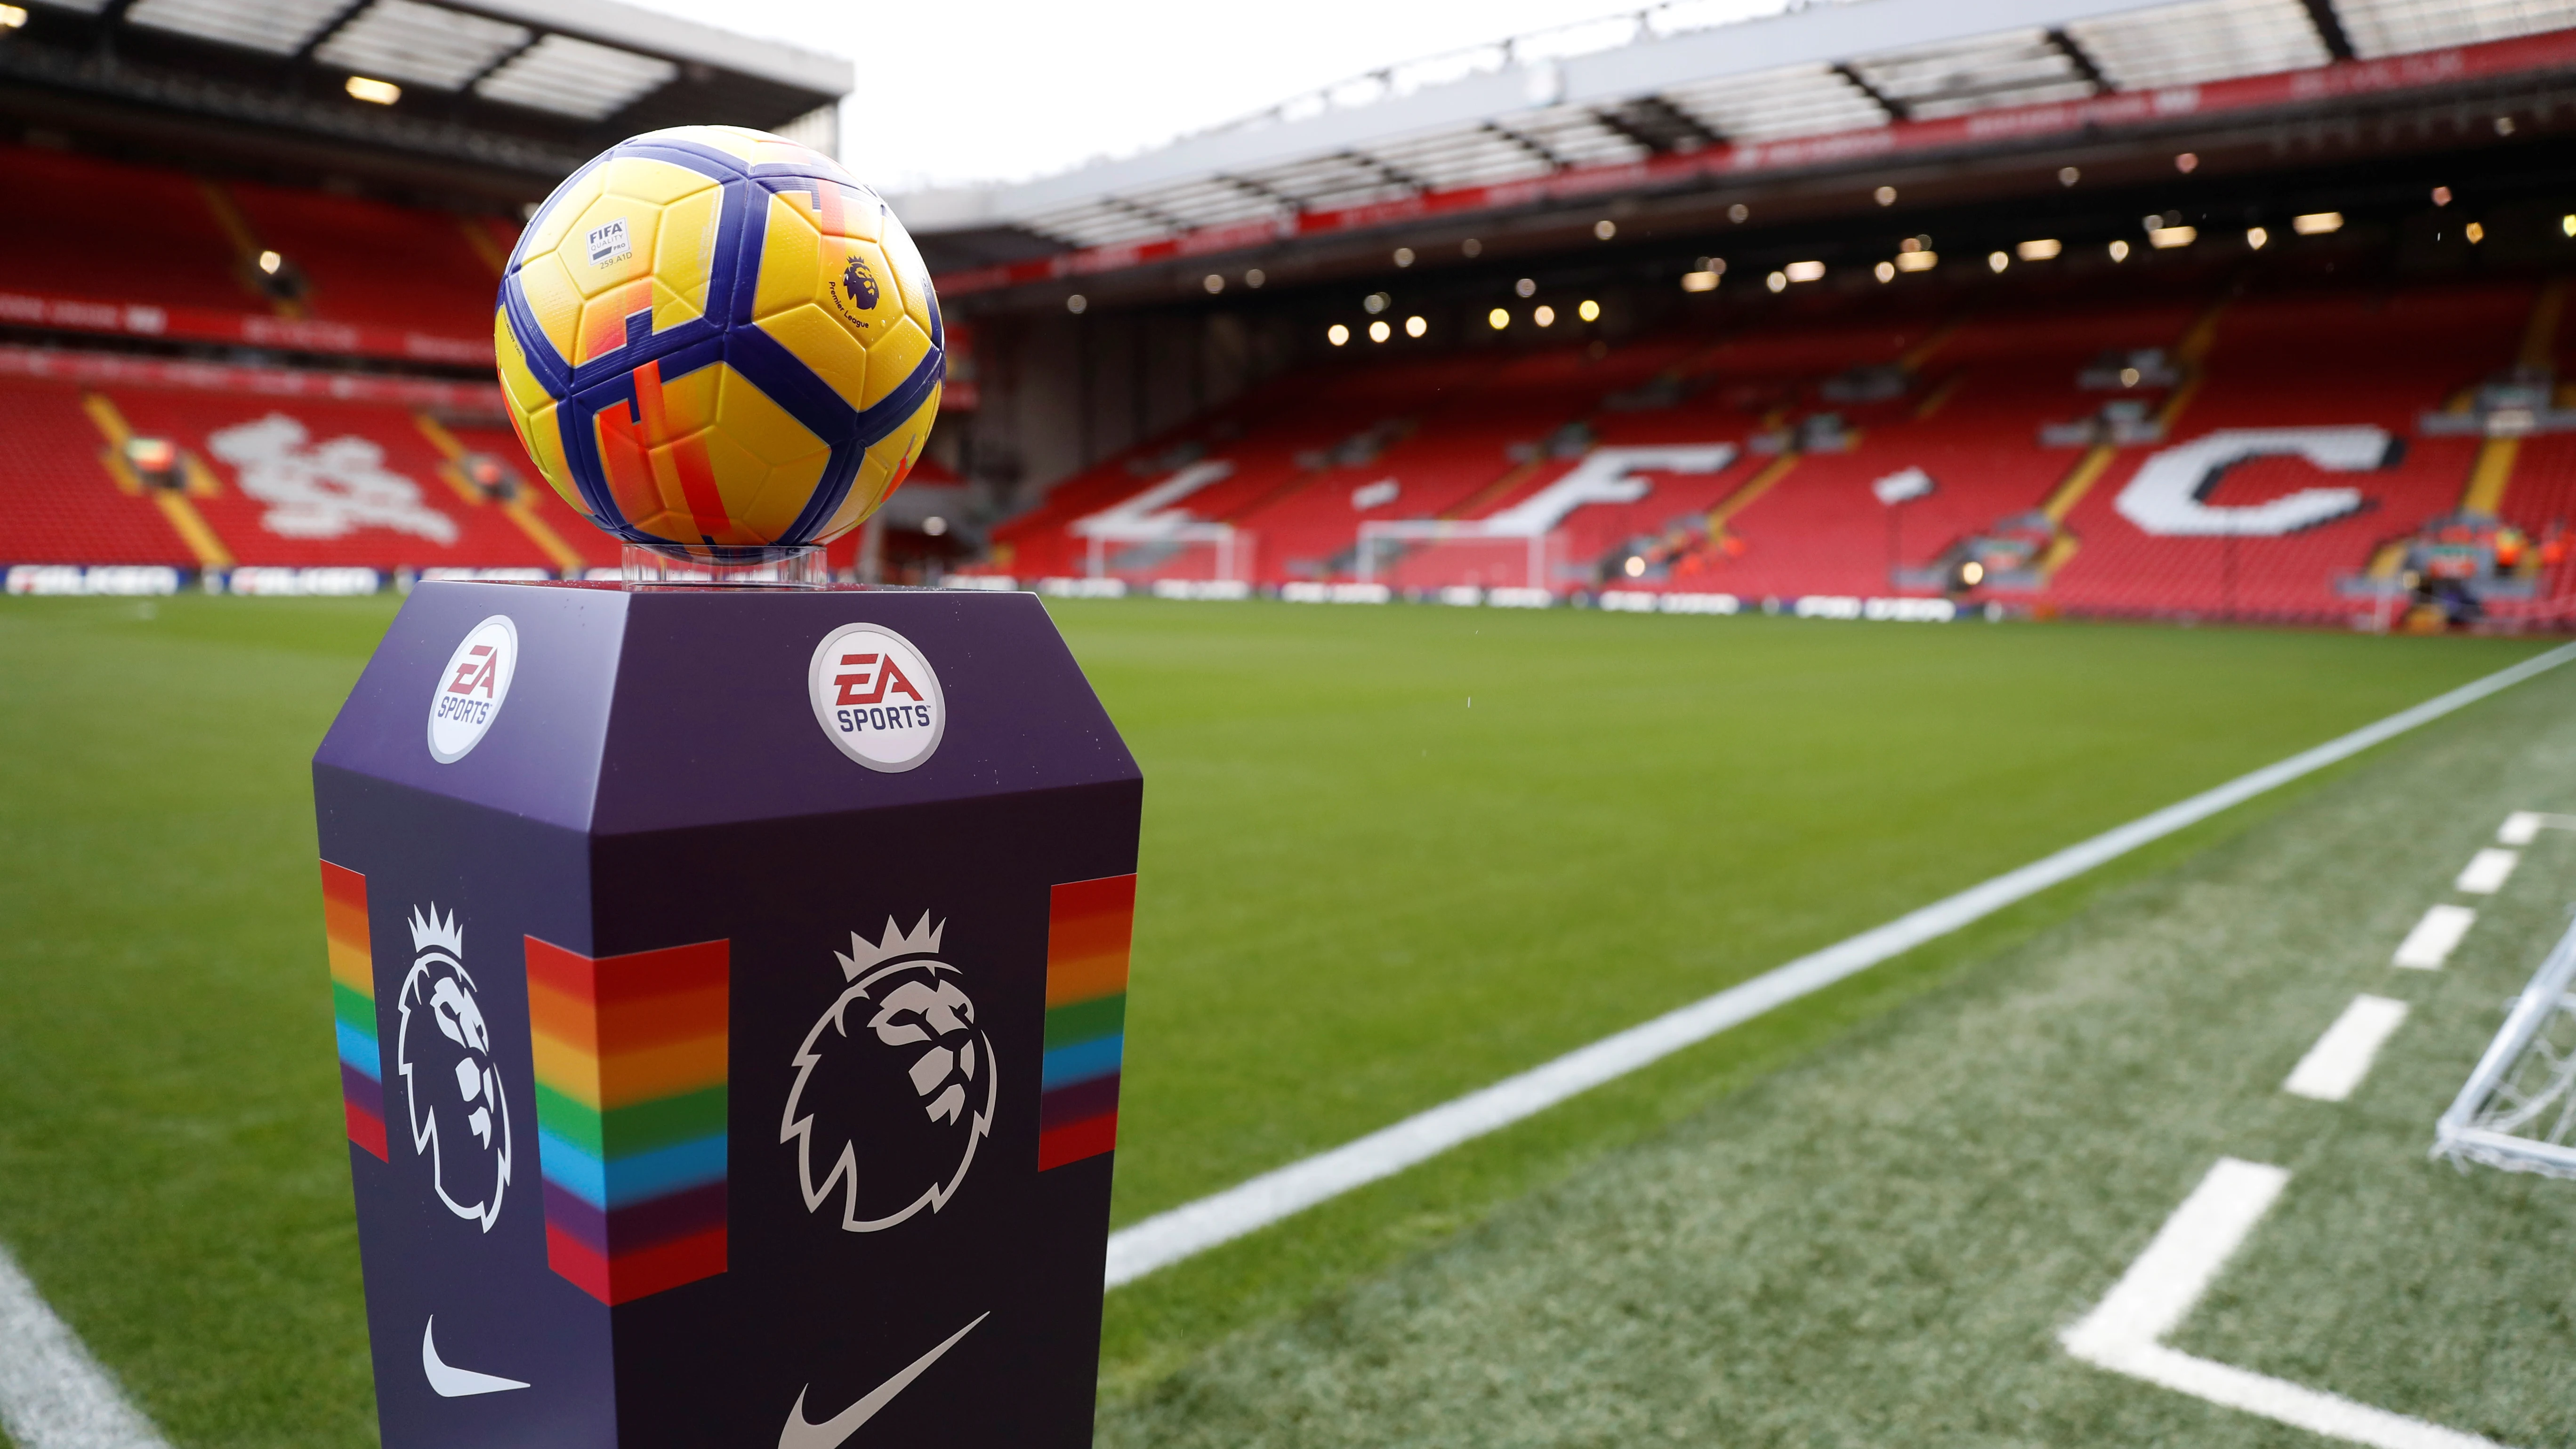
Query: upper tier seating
pixel 98 230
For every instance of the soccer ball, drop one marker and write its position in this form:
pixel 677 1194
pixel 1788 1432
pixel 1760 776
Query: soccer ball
pixel 714 340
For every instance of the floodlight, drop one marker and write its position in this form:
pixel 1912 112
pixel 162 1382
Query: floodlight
pixel 1498 319
pixel 1885 195
pixel 1776 282
pixel 1379 331
pixel 2166 238
pixel 1997 261
pixel 1884 271
pixel 1415 326
pixel 269 262
pixel 1337 334
pixel 12 16
pixel 374 92
pixel 2317 223
pixel 1214 283
pixel 1404 256
pixel 1605 228
pixel 2040 250
pixel 1707 281
pixel 1805 271
pixel 1590 311
pixel 1917 261
pixel 2256 236
pixel 2477 233
pixel 1543 315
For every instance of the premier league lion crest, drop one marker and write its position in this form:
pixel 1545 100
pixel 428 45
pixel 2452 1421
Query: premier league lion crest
pixel 459 1119
pixel 895 1084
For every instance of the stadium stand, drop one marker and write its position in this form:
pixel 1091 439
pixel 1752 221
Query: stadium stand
pixel 1820 411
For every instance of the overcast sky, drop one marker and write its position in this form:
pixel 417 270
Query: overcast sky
pixel 997 90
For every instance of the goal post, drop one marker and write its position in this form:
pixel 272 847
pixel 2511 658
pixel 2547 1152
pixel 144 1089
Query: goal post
pixel 1149 550
pixel 2517 1110
pixel 1445 552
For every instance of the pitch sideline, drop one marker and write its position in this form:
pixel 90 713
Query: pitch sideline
pixel 53 1395
pixel 1169 1237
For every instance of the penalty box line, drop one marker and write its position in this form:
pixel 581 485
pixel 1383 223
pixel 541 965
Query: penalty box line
pixel 2122 1332
pixel 1182 1232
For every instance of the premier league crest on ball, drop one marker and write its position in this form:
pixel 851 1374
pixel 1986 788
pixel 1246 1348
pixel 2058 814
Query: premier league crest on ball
pixel 459 1119
pixel 895 1084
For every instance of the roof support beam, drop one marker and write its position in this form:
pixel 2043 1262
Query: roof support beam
pixel 1895 110
pixel 1546 156
pixel 2321 14
pixel 2076 56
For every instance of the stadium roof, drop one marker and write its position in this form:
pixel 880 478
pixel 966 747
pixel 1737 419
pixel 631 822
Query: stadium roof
pixel 1653 98
pixel 527 86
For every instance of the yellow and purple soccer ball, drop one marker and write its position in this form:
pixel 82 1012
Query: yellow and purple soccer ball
pixel 715 339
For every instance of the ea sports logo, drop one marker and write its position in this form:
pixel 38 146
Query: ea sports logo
pixel 472 687
pixel 895 1084
pixel 459 1119
pixel 876 697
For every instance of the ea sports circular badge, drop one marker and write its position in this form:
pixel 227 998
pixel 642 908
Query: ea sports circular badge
pixel 876 697
pixel 472 687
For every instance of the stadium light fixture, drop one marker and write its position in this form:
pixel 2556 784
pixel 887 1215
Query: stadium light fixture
pixel 1498 319
pixel 269 262
pixel 1589 311
pixel 12 16
pixel 1404 256
pixel 2504 125
pixel 2317 223
pixel 1414 326
pixel 2256 236
pixel 374 92
pixel 1972 573
pixel 1375 302
pixel 2441 196
pixel 2040 250
pixel 1076 304
pixel 1739 213
pixel 1214 282
pixel 1777 281
pixel 1805 271
pixel 2567 224
pixel 1337 334
pixel 2068 175
pixel 1884 271
pixel 2477 232
pixel 1379 331
pixel 1699 281
pixel 1525 287
pixel 1254 278
pixel 1884 196
pixel 1997 261
pixel 2129 376
pixel 1918 261
pixel 1543 315
pixel 2186 163
pixel 2119 251
pixel 934 525
pixel 1604 229
pixel 1472 248
pixel 2166 238
pixel 1635 567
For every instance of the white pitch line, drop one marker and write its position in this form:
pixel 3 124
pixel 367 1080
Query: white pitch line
pixel 2158 1291
pixel 2523 827
pixel 2434 938
pixel 1192 1228
pixel 53 1395
pixel 2342 1057
pixel 2486 872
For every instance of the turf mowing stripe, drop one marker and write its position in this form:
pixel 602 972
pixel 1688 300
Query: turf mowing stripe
pixel 2342 1057
pixel 53 1395
pixel 1192 1228
pixel 2158 1291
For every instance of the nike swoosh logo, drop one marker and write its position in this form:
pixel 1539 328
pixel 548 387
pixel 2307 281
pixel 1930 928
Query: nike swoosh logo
pixel 455 1383
pixel 831 1432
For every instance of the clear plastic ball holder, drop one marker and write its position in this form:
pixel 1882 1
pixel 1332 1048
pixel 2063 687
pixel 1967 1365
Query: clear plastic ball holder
pixel 647 566
pixel 730 992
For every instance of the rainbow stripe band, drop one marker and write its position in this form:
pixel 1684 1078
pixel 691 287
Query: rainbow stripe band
pixel 1089 925
pixel 631 1060
pixel 353 1006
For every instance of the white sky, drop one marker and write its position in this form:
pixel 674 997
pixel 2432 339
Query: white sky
pixel 1001 90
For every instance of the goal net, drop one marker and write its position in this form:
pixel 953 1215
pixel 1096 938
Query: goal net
pixel 2516 1111
pixel 1442 553
pixel 1196 552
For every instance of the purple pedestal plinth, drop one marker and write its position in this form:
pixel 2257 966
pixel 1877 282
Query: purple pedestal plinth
pixel 730 994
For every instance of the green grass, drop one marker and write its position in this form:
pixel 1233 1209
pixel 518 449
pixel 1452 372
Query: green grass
pixel 1877 1244
pixel 1361 896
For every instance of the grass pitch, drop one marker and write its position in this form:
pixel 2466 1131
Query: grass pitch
pixel 1364 894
